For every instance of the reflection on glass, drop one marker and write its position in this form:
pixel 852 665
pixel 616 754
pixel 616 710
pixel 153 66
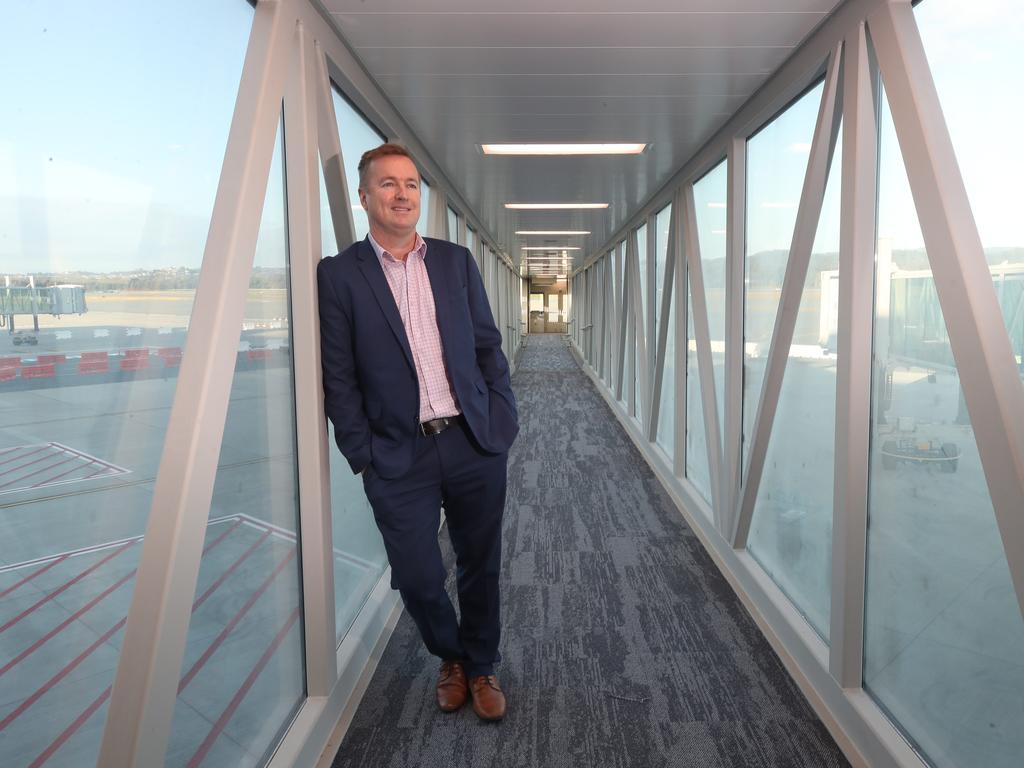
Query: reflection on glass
pixel 791 530
pixel 103 224
pixel 666 414
pixel 421 223
pixel 709 196
pixel 328 242
pixel 944 638
pixel 776 164
pixel 640 323
pixel 453 226
pixel 243 676
pixel 357 137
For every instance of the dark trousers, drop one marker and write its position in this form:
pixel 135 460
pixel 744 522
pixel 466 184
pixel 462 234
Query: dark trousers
pixel 449 470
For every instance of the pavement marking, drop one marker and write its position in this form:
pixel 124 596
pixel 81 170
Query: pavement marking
pixel 30 467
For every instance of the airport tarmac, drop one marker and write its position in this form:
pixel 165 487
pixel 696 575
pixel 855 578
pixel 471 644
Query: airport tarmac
pixel 77 469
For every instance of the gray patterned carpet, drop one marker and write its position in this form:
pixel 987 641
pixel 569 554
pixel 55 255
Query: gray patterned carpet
pixel 622 643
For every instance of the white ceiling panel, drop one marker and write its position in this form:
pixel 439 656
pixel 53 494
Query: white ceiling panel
pixel 667 72
pixel 484 60
pixel 575 29
pixel 567 86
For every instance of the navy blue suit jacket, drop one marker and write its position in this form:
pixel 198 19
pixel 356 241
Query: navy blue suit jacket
pixel 371 392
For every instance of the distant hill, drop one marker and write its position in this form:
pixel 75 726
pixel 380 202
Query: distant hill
pixel 175 278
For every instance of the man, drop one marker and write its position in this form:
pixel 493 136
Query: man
pixel 418 390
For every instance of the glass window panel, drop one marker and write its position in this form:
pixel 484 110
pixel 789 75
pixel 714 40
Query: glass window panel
pixel 944 638
pixel 666 414
pixel 243 675
pixel 421 224
pixel 328 242
pixel 709 200
pixel 471 241
pixel 791 530
pixel 453 226
pixel 103 224
pixel 640 321
pixel 776 164
pixel 625 303
pixel 357 136
pixel 698 469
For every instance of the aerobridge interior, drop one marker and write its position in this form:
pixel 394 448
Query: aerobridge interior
pixel 766 505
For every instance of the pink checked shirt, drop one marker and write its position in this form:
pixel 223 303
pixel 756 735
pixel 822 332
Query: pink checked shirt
pixel 410 285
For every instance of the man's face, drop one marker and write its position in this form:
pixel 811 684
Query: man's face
pixel 391 196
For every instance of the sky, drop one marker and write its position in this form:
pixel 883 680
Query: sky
pixel 118 115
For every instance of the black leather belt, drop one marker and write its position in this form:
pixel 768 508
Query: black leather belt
pixel 435 426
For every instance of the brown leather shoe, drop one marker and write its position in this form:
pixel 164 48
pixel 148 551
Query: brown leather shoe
pixel 488 700
pixel 452 689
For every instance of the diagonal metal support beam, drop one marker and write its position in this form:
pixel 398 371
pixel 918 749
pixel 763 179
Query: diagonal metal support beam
pixel 811 198
pixel 977 333
pixel 331 159
pixel 640 326
pixel 735 249
pixel 705 362
pixel 853 367
pixel 304 248
pixel 676 232
pixel 662 326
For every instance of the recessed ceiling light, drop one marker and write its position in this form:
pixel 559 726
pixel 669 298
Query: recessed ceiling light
pixel 563 149
pixel 553 206
pixel 552 231
pixel 551 248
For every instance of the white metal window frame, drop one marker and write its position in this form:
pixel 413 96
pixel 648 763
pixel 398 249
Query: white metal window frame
pixel 292 56
pixel 831 675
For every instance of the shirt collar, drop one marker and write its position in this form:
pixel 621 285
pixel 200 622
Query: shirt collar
pixel 419 248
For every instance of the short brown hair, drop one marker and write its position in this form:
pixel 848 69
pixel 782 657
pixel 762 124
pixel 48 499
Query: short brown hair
pixel 384 150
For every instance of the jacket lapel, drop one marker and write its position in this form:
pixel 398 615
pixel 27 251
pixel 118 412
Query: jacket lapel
pixel 369 265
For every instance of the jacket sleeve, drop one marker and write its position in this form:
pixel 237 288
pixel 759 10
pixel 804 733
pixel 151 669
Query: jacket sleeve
pixel 343 400
pixel 487 338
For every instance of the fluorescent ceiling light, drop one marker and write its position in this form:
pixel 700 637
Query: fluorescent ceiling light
pixel 551 248
pixel 552 231
pixel 563 149
pixel 553 206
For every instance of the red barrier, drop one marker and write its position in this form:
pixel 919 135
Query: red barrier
pixel 93 366
pixel 8 374
pixel 258 354
pixel 134 363
pixel 135 354
pixel 94 357
pixel 51 359
pixel 46 371
pixel 171 356
pixel 9 362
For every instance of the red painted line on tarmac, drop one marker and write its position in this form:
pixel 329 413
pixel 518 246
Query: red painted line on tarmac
pixel 102 470
pixel 65 586
pixel 38 471
pixel 229 711
pixel 67 669
pixel 64 624
pixel 51 480
pixel 13 715
pixel 68 732
pixel 223 577
pixel 22 456
pixel 31 576
pixel 231 624
pixel 66 449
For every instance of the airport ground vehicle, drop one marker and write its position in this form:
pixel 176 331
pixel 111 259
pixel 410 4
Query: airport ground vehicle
pixel 22 337
pixel 943 456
